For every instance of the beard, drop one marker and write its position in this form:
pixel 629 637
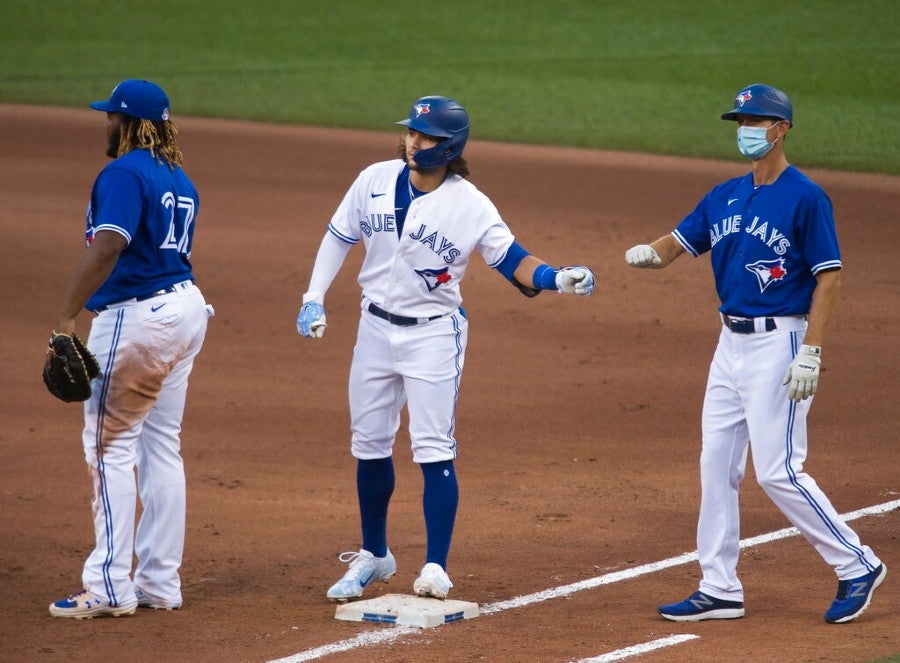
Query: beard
pixel 112 149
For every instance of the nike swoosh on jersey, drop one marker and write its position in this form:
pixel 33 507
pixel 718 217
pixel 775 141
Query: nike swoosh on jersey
pixel 731 200
pixel 376 195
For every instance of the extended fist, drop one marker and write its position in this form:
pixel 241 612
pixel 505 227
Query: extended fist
pixel 642 255
pixel 311 320
pixel 575 280
pixel 803 373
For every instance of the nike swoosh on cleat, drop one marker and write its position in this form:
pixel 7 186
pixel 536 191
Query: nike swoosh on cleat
pixel 372 575
pixel 376 195
pixel 156 308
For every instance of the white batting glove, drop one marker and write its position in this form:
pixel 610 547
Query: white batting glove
pixel 311 319
pixel 575 280
pixel 642 255
pixel 803 373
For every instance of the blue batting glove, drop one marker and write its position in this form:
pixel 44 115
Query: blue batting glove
pixel 311 320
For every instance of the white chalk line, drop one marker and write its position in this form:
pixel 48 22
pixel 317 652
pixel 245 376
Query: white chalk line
pixel 385 636
pixel 637 650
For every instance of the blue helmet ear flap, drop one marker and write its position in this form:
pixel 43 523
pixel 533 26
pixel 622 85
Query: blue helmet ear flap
pixel 440 117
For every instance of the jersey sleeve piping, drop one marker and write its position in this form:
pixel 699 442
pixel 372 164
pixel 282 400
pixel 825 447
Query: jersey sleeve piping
pixel 341 236
pixel 826 266
pixel 687 246
pixel 116 229
pixel 496 263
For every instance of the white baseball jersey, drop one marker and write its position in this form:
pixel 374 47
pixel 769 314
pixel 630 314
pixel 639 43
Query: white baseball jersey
pixel 420 276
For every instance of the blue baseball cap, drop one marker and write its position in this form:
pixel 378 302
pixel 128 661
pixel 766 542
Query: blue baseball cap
pixel 141 99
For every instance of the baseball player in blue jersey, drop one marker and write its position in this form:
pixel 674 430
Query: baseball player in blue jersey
pixel 777 267
pixel 419 220
pixel 150 324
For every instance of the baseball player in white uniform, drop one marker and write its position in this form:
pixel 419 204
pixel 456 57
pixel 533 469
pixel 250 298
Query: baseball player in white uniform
pixel 419 220
pixel 775 257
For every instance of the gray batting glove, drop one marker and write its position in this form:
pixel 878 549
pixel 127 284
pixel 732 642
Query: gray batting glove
pixel 575 280
pixel 311 319
pixel 803 373
pixel 642 255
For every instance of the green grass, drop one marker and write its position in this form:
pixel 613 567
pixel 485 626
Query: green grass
pixel 649 76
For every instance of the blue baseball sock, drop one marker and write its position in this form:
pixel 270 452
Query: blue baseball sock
pixel 374 486
pixel 439 501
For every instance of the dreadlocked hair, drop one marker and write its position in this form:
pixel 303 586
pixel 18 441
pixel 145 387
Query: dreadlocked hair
pixel 153 135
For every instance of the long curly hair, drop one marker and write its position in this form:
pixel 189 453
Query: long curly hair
pixel 157 136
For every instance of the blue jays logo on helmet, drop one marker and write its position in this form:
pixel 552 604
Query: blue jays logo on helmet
pixel 762 100
pixel 434 277
pixel 767 272
pixel 444 119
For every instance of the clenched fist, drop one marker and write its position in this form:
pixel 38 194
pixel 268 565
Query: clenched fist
pixel 575 280
pixel 642 255
pixel 311 320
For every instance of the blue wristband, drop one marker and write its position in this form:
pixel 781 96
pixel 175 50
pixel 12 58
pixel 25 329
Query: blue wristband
pixel 544 278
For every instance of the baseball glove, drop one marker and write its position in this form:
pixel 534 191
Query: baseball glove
pixel 69 368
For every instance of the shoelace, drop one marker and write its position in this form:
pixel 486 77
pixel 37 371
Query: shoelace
pixel 351 557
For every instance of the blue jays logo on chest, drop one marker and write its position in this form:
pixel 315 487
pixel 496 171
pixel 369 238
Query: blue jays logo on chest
pixel 435 277
pixel 767 271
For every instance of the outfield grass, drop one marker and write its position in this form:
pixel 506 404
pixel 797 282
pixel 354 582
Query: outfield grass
pixel 649 76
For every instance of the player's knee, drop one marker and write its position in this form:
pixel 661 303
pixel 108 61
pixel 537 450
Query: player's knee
pixel 372 449
pixel 773 482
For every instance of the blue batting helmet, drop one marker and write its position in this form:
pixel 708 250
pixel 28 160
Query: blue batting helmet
pixel 763 100
pixel 440 117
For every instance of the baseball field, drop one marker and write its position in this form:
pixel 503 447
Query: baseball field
pixel 593 128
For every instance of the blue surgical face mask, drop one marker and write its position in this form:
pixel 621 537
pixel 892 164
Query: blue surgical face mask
pixel 752 141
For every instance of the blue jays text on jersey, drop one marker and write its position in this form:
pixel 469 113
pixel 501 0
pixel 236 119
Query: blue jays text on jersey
pixel 766 243
pixel 437 243
pixel 758 228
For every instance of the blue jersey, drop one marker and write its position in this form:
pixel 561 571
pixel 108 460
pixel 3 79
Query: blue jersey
pixel 154 208
pixel 767 242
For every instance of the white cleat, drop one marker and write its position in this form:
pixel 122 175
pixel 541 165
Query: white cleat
pixel 433 581
pixel 364 569
pixel 85 605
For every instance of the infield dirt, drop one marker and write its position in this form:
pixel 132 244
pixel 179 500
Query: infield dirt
pixel 578 421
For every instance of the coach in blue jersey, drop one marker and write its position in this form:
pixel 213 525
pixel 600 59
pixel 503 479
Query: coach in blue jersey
pixel 777 267
pixel 151 322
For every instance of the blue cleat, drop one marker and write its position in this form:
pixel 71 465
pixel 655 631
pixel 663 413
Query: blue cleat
pixel 854 596
pixel 699 606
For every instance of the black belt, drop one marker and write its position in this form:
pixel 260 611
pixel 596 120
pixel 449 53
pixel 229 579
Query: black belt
pixel 399 320
pixel 746 326
pixel 168 290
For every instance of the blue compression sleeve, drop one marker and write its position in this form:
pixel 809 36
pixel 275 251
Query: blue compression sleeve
pixel 514 255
